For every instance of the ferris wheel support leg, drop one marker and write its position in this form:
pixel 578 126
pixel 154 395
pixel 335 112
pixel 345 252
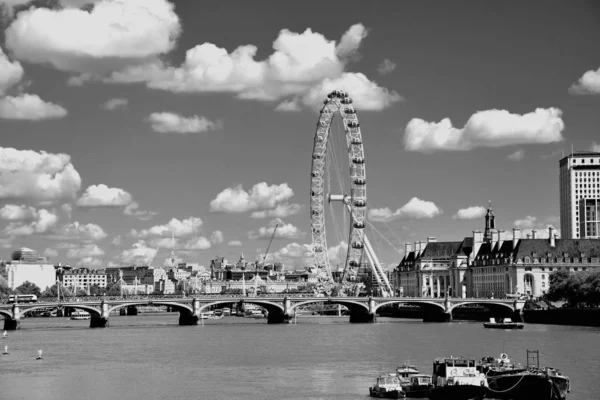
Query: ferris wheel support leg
pixel 380 274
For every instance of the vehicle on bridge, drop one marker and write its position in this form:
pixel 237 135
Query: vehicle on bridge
pixel 22 298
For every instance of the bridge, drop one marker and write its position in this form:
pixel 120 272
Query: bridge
pixel 280 309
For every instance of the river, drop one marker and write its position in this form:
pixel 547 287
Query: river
pixel 150 357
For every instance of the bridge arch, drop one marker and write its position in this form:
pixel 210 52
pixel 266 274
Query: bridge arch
pixel 94 311
pixel 351 304
pixel 178 306
pixel 428 304
pixel 269 305
pixel 491 304
pixel 6 314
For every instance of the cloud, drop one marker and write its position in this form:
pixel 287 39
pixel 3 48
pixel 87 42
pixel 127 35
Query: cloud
pixel 50 252
pixel 29 107
pixel 132 209
pixel 103 196
pixel 113 35
pixel 491 128
pixel 139 252
pixel 386 67
pixel 517 155
pixel 42 176
pixel 528 222
pixel 234 243
pixel 595 147
pixel 414 209
pixel 469 213
pixel 589 83
pixel 76 230
pixel 11 72
pixel 89 250
pixel 167 122
pixel 284 231
pixel 179 228
pixel 27 220
pixel 89 262
pixel 117 241
pixel 262 196
pixel 288 105
pixel 115 104
pixel 216 237
pixel 303 65
pixel 531 222
pixel 283 210
pixel 294 255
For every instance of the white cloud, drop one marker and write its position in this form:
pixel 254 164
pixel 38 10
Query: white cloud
pixel 113 35
pixel 27 174
pixel 132 209
pixel 139 252
pixel 288 105
pixel 50 252
pixel 11 72
pixel 262 196
pixel 589 83
pixel 234 243
pixel 491 128
pixel 29 107
pixel 179 228
pixel 386 67
pixel 76 230
pixel 117 241
pixel 303 65
pixel 114 104
pixel 68 209
pixel 90 262
pixel 168 122
pixel 281 211
pixel 200 243
pixel 541 226
pixel 28 221
pixel 414 209
pixel 595 147
pixel 469 213
pixel 528 222
pixel 216 237
pixel 517 155
pixel 293 255
pixel 103 196
pixel 89 250
pixel 13 212
pixel 284 231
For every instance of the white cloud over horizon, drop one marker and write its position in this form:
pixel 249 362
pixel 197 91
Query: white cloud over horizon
pixel 260 197
pixel 168 122
pixel 588 84
pixel 414 209
pixel 491 128
pixel 517 155
pixel 284 231
pixel 470 213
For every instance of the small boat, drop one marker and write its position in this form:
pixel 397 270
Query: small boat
pixel 254 313
pixel 227 312
pixel 517 382
pixel 4 335
pixel 419 386
pixel 387 387
pixel 5 350
pixel 506 323
pixel 80 314
pixel 39 356
pixel 457 378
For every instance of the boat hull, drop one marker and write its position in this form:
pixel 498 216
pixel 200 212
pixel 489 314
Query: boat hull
pixel 417 392
pixel 514 325
pixel 528 386
pixel 458 392
pixel 390 394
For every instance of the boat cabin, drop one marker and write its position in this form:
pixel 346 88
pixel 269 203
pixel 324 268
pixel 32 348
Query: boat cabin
pixel 457 370
pixel 420 380
pixel 405 371
pixel 387 380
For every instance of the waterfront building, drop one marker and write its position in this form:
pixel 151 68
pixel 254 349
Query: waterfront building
pixel 25 265
pixel 178 274
pixel 589 218
pixel 579 179
pixel 83 278
pixel 164 286
pixel 153 275
pixel 129 274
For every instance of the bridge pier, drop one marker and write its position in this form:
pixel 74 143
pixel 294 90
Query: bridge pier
pixel 100 321
pixel 14 323
pixel 187 318
pixel 360 315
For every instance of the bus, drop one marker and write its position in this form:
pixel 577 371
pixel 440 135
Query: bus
pixel 22 298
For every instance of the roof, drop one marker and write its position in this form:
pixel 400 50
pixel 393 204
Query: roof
pixel 440 249
pixel 466 247
pixel 573 247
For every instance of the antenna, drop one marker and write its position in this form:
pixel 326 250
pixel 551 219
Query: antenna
pixel 572 148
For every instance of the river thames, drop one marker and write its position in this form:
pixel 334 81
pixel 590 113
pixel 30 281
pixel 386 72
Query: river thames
pixel 151 357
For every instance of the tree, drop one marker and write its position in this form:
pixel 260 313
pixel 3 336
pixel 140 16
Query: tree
pixel 4 289
pixel 97 290
pixel 53 291
pixel 558 284
pixel 114 289
pixel 29 288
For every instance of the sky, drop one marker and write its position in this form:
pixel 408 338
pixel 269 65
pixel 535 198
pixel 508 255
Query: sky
pixel 124 123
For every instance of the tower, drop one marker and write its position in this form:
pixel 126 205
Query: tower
pixel 490 223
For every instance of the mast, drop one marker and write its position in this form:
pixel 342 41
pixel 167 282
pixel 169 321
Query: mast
pixel 264 258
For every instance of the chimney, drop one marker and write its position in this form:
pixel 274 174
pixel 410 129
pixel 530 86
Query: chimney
pixel 516 237
pixel 407 248
pixel 501 237
pixel 529 236
pixel 477 241
pixel 551 236
pixel 431 239
pixel 494 237
pixel 417 249
pixel 423 245
pixel 534 233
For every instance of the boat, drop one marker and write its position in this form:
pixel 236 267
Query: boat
pixel 227 312
pixel 254 313
pixel 506 323
pixel 387 387
pixel 39 356
pixel 414 384
pixel 80 314
pixel 457 378
pixel 517 382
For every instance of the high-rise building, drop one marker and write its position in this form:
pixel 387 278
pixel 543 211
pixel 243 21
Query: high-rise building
pixel 579 179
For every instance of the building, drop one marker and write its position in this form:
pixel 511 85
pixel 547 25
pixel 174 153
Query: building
pixel 83 278
pixel 25 265
pixel 491 265
pixel 589 218
pixel 579 179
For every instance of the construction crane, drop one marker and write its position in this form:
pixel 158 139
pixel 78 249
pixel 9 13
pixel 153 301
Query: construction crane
pixel 151 258
pixel 262 262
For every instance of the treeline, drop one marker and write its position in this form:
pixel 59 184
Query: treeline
pixel 577 289
pixel 53 291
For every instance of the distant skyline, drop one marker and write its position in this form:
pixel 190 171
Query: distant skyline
pixel 124 122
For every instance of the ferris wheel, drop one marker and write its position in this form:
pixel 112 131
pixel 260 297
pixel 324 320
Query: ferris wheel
pixel 338 106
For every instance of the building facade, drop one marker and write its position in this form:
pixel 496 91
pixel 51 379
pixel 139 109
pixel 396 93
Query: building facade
pixel 589 218
pixel 579 179
pixel 83 278
pixel 26 266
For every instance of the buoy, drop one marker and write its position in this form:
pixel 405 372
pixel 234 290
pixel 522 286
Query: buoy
pixel 4 335
pixel 39 357
pixel 5 350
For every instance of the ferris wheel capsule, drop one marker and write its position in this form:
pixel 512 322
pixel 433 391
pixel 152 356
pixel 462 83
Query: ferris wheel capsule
pixel 346 100
pixel 358 160
pixel 356 141
pixel 353 124
pixel 359 225
pixel 357 245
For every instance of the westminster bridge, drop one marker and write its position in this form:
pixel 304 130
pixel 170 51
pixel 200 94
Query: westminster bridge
pixel 280 309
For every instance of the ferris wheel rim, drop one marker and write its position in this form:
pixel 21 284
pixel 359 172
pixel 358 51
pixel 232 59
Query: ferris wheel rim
pixel 338 102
